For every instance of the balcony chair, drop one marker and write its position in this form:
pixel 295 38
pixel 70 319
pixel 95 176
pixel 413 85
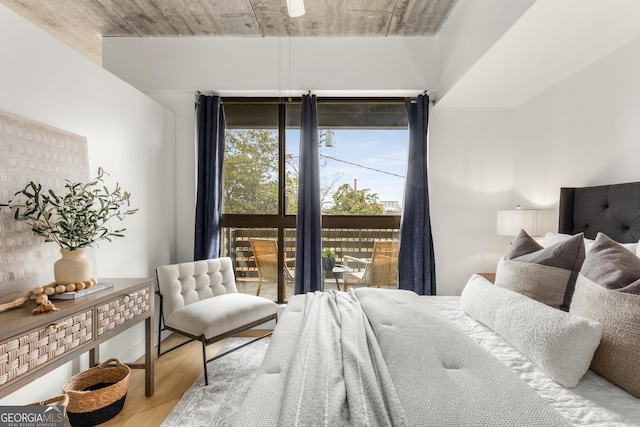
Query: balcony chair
pixel 381 269
pixel 200 301
pixel 265 254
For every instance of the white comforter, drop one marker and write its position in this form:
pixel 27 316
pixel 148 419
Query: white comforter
pixel 594 402
pixel 338 372
pixel 402 364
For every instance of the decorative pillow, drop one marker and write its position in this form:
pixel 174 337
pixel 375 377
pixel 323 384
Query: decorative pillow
pixel 552 238
pixel 560 343
pixel 606 291
pixel 611 265
pixel 547 274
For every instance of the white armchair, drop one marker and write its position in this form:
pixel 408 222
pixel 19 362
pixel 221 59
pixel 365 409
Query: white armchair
pixel 200 300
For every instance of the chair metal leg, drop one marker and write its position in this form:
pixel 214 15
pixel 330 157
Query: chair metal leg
pixel 160 322
pixel 204 360
pixel 159 336
pixel 219 355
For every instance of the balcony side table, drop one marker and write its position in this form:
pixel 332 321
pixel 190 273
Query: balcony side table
pixel 338 271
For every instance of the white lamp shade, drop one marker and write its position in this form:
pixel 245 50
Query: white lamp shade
pixel 510 222
pixel 295 7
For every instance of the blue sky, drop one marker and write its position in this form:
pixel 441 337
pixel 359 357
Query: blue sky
pixel 385 151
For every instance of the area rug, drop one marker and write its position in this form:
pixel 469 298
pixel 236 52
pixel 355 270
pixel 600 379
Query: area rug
pixel 229 379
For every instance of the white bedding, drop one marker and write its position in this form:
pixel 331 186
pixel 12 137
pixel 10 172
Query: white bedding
pixel 594 402
pixel 379 357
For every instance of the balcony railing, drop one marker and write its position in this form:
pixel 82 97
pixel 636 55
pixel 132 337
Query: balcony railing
pixel 356 243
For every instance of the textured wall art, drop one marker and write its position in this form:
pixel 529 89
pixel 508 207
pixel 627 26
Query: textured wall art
pixel 31 151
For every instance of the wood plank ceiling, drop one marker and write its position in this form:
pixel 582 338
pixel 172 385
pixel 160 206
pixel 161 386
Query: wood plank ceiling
pixel 82 23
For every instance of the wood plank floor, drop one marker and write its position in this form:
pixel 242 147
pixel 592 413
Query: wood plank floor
pixel 175 372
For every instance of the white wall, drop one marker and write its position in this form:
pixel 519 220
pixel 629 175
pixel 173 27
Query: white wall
pixel 269 66
pixel 393 66
pixel 578 127
pixel 470 177
pixel 128 133
pixel 546 45
pixel 471 155
pixel 469 32
pixel 583 131
pixel 481 159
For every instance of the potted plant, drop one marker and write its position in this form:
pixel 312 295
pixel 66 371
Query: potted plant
pixel 74 220
pixel 328 260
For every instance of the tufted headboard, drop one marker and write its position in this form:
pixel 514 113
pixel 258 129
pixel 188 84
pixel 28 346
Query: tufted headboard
pixel 611 209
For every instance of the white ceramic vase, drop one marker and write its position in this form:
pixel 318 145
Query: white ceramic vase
pixel 74 267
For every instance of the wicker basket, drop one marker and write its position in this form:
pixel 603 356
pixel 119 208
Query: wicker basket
pixel 62 401
pixel 97 394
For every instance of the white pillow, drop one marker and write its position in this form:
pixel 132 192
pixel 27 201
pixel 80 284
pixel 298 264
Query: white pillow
pixel 560 343
pixel 552 238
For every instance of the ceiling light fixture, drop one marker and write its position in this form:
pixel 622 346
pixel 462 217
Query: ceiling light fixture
pixel 295 8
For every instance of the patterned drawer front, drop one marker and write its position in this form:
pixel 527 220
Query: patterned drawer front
pixel 120 310
pixel 22 354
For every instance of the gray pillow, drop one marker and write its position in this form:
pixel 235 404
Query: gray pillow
pixel 603 293
pixel 613 266
pixel 547 275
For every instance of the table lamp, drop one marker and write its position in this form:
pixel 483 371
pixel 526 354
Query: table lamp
pixel 511 221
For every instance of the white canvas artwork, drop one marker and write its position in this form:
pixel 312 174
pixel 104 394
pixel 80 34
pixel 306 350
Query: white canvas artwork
pixel 31 151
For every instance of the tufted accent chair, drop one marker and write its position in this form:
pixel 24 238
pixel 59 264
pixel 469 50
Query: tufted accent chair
pixel 200 300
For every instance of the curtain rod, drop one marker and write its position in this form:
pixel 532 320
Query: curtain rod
pixel 231 100
pixel 286 100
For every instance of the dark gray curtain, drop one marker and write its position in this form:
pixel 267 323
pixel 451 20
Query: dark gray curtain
pixel 210 134
pixel 308 269
pixel 416 262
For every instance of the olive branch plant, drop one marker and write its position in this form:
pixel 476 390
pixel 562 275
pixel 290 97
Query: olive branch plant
pixel 76 219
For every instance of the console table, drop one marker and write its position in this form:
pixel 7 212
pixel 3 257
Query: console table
pixel 32 345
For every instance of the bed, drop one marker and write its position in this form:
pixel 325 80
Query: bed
pixel 555 341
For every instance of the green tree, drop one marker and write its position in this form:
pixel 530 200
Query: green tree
pixel 291 191
pixel 251 179
pixel 251 173
pixel 347 201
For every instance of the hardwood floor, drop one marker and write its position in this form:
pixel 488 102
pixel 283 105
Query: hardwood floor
pixel 175 372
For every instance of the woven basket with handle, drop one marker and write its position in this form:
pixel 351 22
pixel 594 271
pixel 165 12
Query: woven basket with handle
pixel 97 394
pixel 62 401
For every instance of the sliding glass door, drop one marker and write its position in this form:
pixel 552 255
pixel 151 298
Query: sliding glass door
pixel 363 158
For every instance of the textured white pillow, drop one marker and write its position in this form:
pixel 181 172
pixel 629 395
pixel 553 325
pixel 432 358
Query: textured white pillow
pixel 560 343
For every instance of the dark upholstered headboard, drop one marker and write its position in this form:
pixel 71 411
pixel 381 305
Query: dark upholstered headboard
pixel 611 209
